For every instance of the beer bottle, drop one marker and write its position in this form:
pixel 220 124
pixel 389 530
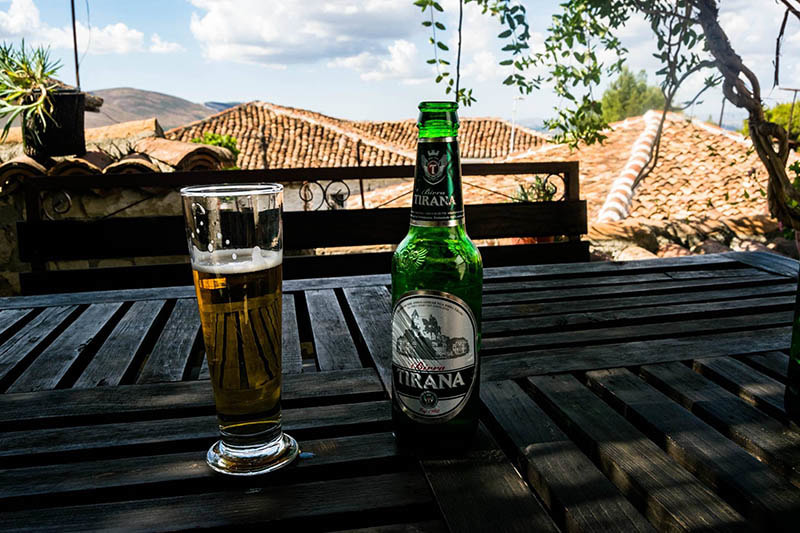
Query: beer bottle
pixel 437 278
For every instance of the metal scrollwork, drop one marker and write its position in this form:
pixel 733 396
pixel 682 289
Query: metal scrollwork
pixel 56 203
pixel 559 187
pixel 333 195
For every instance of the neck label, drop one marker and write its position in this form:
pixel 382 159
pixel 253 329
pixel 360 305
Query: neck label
pixel 437 184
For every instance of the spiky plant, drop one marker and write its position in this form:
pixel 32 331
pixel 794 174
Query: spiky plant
pixel 26 86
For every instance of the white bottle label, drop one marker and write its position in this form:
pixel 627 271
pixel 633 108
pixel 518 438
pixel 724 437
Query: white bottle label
pixel 434 363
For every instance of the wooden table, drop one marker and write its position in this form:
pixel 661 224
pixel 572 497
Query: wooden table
pixel 617 397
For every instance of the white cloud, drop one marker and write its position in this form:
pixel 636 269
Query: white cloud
pixel 158 46
pixel 22 20
pixel 280 33
pixel 403 62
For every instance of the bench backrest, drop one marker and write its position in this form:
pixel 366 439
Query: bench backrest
pixel 41 241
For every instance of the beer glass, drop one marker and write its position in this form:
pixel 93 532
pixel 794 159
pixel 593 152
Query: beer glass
pixel 235 236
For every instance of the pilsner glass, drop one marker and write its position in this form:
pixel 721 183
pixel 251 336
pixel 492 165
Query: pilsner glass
pixel 235 235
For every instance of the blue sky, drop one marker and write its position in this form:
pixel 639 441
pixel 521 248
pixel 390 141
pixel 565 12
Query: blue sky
pixel 359 59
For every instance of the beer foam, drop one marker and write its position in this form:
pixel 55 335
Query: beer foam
pixel 235 260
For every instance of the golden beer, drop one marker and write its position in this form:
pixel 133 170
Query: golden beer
pixel 240 310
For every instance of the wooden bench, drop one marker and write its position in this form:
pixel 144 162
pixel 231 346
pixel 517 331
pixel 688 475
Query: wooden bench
pixel 42 241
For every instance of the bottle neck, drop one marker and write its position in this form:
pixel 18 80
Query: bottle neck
pixel 437 197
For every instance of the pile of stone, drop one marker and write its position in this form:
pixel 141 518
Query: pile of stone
pixel 635 238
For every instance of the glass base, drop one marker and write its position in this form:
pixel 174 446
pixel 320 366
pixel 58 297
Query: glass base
pixel 252 460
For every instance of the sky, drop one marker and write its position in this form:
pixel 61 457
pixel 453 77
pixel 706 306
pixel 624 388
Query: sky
pixel 355 59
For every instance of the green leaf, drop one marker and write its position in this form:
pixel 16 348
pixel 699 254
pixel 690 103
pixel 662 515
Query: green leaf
pixel 506 62
pixel 440 26
pixel 427 23
pixel 437 7
pixel 431 61
pixel 504 34
pixel 442 46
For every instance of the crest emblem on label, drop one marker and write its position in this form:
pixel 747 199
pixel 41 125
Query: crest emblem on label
pixel 434 166
pixel 433 355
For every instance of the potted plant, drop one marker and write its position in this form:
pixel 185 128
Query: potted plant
pixel 51 115
pixel 538 190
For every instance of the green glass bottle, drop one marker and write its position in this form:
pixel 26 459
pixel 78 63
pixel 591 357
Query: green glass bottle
pixel 437 280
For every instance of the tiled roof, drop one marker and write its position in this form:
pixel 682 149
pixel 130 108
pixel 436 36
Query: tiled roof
pixel 303 138
pixel 479 138
pixel 702 171
pixel 294 138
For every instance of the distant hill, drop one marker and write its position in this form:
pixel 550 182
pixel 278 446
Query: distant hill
pixel 220 106
pixel 124 103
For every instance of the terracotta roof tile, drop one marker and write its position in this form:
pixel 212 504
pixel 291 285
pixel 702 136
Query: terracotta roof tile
pixel 303 138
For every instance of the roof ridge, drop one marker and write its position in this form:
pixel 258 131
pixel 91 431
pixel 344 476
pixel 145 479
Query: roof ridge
pixel 347 132
pixel 618 201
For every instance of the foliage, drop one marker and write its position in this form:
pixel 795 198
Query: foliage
pixel 539 190
pixel 630 96
pixel 780 115
pixel 215 139
pixel 26 85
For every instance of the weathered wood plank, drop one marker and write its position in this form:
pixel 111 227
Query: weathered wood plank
pixel 556 295
pixel 429 526
pixel 173 348
pixel 37 333
pixel 83 298
pixel 291 357
pixel 173 433
pixel 671 497
pixel 545 283
pixel 505 312
pixel 773 364
pixel 268 505
pixel 189 396
pixel 482 483
pixel 556 360
pixel 114 357
pixel 10 317
pixel 372 309
pixel 332 341
pixel 758 433
pixel 576 269
pixel 769 262
pixel 639 314
pixel 750 385
pixel 571 486
pixel 764 497
pixel 185 467
pixel 636 331
pixel 54 362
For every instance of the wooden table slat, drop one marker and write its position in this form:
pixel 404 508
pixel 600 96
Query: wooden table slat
pixel 572 487
pixel 611 302
pixel 378 494
pixel 109 364
pixel 35 334
pixel 483 483
pixel 670 496
pixel 633 332
pixel 10 317
pixel 773 364
pixel 556 360
pixel 557 295
pixel 332 341
pixel 639 315
pixel 171 353
pixel 167 434
pixel 769 262
pixel 751 386
pixel 152 399
pixel 291 356
pixel 757 432
pixel 372 309
pixel 185 467
pixel 53 363
pixel 762 495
